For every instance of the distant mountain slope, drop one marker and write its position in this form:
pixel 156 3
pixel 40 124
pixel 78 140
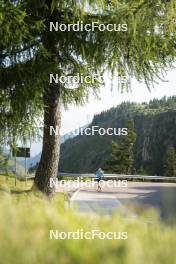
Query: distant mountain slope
pixel 155 124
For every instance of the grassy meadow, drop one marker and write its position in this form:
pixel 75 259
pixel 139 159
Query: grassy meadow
pixel 26 219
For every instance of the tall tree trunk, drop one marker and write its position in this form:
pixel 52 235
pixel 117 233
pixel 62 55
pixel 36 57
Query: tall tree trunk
pixel 48 166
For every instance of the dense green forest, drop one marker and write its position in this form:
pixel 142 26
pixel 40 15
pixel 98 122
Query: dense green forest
pixel 155 126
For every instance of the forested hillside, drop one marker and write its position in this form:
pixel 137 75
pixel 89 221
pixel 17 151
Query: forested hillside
pixel 155 125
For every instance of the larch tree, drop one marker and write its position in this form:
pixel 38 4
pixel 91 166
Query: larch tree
pixel 122 152
pixel 30 52
pixel 170 162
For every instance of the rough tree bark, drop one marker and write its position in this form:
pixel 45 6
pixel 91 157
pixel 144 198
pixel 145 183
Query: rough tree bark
pixel 48 166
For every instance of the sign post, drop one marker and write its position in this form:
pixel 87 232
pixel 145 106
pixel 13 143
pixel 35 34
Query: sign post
pixel 15 171
pixel 20 152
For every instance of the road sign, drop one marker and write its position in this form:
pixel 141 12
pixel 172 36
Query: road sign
pixel 21 152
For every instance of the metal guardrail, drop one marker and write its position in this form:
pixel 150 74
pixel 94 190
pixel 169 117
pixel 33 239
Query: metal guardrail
pixel 122 176
pixel 117 177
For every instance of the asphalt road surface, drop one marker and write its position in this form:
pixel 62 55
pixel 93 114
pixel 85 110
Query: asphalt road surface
pixel 133 199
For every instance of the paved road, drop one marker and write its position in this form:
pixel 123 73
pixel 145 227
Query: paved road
pixel 134 198
pixel 92 201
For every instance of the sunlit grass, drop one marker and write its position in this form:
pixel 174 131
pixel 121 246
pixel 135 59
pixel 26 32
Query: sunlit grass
pixel 9 183
pixel 25 221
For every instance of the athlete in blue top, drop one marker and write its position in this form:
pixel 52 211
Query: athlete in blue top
pixel 99 176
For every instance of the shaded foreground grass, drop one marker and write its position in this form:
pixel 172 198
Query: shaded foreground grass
pixel 25 221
